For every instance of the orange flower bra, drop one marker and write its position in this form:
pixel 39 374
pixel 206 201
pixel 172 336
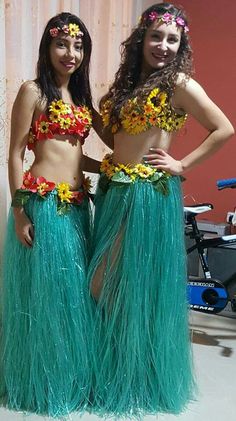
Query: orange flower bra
pixel 62 119
pixel 136 117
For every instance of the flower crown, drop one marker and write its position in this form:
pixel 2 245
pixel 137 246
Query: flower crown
pixel 72 29
pixel 165 18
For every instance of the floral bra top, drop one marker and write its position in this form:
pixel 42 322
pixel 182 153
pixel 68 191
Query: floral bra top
pixel 62 119
pixel 137 117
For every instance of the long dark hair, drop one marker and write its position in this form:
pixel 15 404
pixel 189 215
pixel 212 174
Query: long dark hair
pixel 79 86
pixel 127 79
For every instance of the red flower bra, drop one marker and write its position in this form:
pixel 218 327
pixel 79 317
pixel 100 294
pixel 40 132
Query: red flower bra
pixel 62 119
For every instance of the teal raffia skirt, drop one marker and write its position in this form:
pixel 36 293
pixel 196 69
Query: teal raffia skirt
pixel 46 322
pixel 142 352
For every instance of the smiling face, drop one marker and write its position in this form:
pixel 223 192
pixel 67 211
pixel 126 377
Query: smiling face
pixel 66 54
pixel 160 46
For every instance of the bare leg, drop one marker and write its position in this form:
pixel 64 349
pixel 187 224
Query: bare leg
pixel 100 273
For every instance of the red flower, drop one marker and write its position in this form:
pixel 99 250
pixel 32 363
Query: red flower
pixel 43 128
pixel 44 186
pixel 29 182
pixel 78 196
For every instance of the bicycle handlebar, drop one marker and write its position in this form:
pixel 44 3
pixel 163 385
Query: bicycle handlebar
pixel 227 183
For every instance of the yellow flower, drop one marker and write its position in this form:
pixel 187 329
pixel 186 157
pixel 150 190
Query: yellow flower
pixel 105 119
pixel 31 138
pixel 157 100
pixel 65 123
pixel 114 128
pixel 87 184
pixel 105 164
pixel 163 97
pixel 148 109
pixel 54 117
pixel 59 107
pixel 74 30
pixel 128 170
pixel 110 172
pixel 64 192
pixel 82 112
pixel 43 126
pixel 138 171
pixel 153 120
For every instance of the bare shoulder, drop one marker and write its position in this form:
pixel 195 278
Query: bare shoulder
pixel 182 80
pixel 188 91
pixel 29 93
pixel 190 96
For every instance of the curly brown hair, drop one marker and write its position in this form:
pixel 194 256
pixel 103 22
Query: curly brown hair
pixel 127 79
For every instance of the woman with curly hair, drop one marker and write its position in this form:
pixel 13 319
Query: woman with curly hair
pixel 143 358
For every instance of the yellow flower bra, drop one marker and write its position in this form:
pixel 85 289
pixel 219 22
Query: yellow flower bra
pixel 61 119
pixel 136 117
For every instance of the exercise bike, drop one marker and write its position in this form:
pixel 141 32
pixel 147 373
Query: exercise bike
pixel 206 294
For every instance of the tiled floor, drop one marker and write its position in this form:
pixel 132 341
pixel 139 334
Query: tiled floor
pixel 214 344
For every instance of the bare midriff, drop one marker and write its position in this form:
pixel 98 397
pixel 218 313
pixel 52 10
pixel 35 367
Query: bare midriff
pixel 130 149
pixel 59 160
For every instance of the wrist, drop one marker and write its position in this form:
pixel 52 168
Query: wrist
pixel 183 167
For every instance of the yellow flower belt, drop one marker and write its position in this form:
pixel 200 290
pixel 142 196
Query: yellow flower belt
pixel 125 174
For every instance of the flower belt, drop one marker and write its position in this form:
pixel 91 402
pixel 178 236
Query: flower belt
pixel 42 188
pixel 125 174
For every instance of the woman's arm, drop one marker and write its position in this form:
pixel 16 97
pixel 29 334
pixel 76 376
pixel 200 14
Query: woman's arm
pixel 191 97
pixel 22 114
pixel 105 135
pixel 21 118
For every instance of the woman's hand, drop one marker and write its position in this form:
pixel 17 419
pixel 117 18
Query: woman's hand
pixel 161 160
pixel 24 228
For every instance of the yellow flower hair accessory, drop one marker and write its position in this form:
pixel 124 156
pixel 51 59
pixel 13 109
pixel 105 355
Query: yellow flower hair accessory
pixel 72 29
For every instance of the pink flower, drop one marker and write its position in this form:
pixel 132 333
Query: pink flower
pixel 65 29
pixel 167 18
pixel 153 16
pixel 180 21
pixel 186 29
pixel 54 32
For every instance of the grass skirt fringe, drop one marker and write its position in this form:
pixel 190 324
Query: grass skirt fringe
pixel 46 326
pixel 142 352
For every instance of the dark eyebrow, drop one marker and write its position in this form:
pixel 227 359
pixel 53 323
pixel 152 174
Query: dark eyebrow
pixel 155 31
pixel 60 38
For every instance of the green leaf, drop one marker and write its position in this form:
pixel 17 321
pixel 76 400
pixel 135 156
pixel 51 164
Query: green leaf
pixel 156 176
pixel 120 177
pixel 63 208
pixel 20 198
pixel 103 183
pixel 162 186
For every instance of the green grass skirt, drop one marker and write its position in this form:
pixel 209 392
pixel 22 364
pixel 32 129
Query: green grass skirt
pixel 46 322
pixel 142 352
